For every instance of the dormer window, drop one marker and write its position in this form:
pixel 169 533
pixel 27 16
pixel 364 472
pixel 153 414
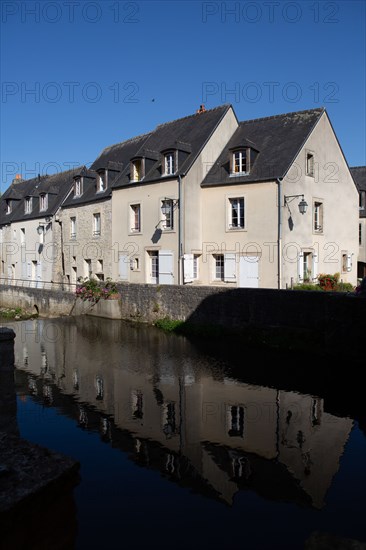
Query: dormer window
pixel 78 187
pixel 43 202
pixel 9 206
pixel 28 205
pixel 169 163
pixel 101 181
pixel 240 162
pixel 136 170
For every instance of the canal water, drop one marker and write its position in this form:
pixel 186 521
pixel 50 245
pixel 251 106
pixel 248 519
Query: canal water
pixel 190 444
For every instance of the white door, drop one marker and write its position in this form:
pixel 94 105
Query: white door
pixel 153 268
pixel 34 273
pixel 249 272
pixel 188 268
pixel 123 267
pixel 165 267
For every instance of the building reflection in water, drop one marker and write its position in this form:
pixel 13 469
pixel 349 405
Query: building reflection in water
pixel 156 398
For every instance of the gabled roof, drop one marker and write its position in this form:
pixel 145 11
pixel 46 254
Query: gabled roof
pixel 56 187
pixel 359 176
pixel 188 135
pixel 276 141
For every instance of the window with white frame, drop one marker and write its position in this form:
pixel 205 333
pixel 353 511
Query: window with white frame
pixel 346 262
pixel 135 218
pixel 96 225
pixel 73 227
pixel 362 200
pixel 360 234
pixel 9 206
pixel 307 266
pixel 236 213
pixel 87 268
pixel 310 164
pixel 240 162
pixel 219 273
pixel 136 170
pixel 43 202
pixel 78 187
pixel 22 235
pixel 28 205
pixel 169 163
pixel 101 181
pixel 318 217
pixel 167 214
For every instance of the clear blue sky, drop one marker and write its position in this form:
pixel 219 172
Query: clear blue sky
pixel 102 72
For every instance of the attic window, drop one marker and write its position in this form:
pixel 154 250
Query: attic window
pixel 240 162
pixel 101 181
pixel 136 170
pixel 310 164
pixel 9 206
pixel 43 202
pixel 78 187
pixel 28 205
pixel 169 163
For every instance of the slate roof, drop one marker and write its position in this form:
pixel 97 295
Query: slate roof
pixel 188 135
pixel 115 158
pixel 359 175
pixel 276 141
pixel 56 186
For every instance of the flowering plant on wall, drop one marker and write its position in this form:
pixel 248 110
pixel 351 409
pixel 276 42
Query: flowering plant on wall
pixel 94 290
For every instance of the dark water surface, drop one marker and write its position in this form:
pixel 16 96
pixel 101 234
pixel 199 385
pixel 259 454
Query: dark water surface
pixel 189 444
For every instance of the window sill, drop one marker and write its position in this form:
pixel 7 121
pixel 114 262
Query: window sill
pixel 238 174
pixel 134 233
pixel 235 229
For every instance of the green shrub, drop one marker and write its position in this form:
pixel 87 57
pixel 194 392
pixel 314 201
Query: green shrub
pixel 169 325
pixel 307 286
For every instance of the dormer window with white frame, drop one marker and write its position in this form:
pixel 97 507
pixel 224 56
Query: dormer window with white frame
pixel 136 172
pixel 28 205
pixel 43 202
pixel 101 181
pixel 78 187
pixel 240 162
pixel 9 206
pixel 169 163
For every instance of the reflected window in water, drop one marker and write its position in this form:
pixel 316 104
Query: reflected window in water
pixel 44 361
pixel 32 385
pixel 137 404
pixel 169 423
pixel 235 420
pixel 316 412
pixel 99 386
pixel 25 356
pixel 170 463
pixel 83 417
pixel 75 380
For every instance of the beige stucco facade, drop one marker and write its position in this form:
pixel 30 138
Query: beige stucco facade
pixel 87 246
pixel 137 248
pixel 334 248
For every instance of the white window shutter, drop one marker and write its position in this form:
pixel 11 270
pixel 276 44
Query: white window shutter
pixel 301 266
pixel 29 270
pixel 166 276
pixel 315 265
pixel 123 265
pixel 188 268
pixel 229 268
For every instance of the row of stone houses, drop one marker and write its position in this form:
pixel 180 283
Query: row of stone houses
pixel 204 199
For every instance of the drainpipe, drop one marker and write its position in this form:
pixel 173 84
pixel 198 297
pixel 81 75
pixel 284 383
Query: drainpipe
pixel 180 230
pixel 279 236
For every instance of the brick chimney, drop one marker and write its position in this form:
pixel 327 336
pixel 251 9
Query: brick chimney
pixel 18 179
pixel 202 109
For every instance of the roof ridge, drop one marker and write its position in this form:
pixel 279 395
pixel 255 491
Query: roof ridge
pixel 129 140
pixel 319 109
pixel 357 167
pixel 226 105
